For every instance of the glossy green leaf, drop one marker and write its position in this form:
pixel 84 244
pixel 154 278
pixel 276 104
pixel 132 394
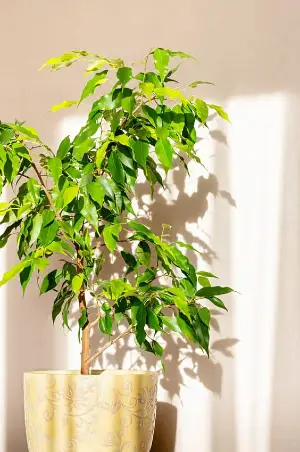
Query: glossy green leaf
pixel 51 280
pixel 69 194
pixel 207 292
pixel 217 302
pixel 36 228
pixel 164 152
pixel 199 82
pixel 15 270
pixel 64 104
pixel 111 235
pixel 140 152
pixel 92 84
pixel 77 282
pixel 116 168
pixel 202 110
pixel 96 191
pixel 143 253
pixel 124 74
pixel 48 233
pixel 141 316
pixel 220 111
pixel 170 93
pixel 206 274
pixel 171 323
pixel 161 61
pixel 152 320
pixel 186 328
pixel 55 168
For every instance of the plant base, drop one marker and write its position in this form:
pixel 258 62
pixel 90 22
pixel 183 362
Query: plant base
pixel 107 411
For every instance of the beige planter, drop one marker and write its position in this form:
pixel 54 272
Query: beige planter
pixel 108 411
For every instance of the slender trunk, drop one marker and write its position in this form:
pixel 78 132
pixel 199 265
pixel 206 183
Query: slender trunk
pixel 85 339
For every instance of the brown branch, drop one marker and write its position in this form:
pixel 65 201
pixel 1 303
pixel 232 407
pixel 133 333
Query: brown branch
pixel 109 344
pixel 46 191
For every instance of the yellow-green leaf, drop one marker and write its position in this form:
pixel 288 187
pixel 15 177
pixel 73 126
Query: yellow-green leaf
pixel 69 194
pixel 64 104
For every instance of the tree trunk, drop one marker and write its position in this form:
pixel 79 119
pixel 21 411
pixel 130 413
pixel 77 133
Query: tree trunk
pixel 85 339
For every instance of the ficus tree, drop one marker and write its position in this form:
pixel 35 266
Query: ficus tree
pixel 76 203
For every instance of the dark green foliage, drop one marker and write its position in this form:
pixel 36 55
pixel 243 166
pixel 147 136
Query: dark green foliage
pixel 77 203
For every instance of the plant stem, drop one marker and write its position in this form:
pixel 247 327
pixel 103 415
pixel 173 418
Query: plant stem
pixel 86 331
pixel 109 344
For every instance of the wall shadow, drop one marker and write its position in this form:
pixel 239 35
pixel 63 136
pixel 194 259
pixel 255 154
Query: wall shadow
pixel 165 429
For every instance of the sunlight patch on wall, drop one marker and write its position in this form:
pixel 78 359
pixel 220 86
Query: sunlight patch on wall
pixel 256 143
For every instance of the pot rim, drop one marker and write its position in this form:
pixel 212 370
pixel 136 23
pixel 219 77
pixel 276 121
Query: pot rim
pixel 93 373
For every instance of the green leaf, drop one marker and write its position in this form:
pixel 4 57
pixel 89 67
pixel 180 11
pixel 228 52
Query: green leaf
pixel 140 152
pixel 36 228
pixel 217 302
pixel 124 74
pixel 129 259
pixel 199 82
pixel 82 321
pixel 63 148
pixel 147 89
pixel 51 280
pixel 202 110
pixel 128 103
pixel 82 148
pixel 171 323
pixel 182 304
pixel 170 93
pixel 100 154
pixel 122 139
pixel 92 84
pixel 41 263
pixel 64 104
pixel 105 323
pixel 152 320
pixel 56 247
pixel 69 194
pixel 220 111
pixel 89 212
pixel 6 134
pixel 77 282
pixel 117 287
pixel 207 292
pixel 96 191
pixel 186 328
pixel 204 315
pixel 164 152
pixel 203 281
pixel 58 62
pixel 116 168
pixel 143 253
pixel 55 168
pixel 157 348
pixel 161 61
pixel 15 270
pixel 25 276
pixel 48 233
pixel 141 316
pixel 179 54
pixel 111 234
pixel 207 274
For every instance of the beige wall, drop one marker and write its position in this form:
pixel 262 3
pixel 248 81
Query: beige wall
pixel 247 397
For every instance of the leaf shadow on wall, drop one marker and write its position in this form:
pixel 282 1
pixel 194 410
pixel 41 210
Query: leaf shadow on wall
pixel 181 358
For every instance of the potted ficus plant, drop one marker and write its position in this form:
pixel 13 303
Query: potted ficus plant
pixel 76 202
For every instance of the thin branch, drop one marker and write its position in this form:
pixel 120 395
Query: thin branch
pixel 109 344
pixel 46 191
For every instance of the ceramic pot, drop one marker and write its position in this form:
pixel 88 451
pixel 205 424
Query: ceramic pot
pixel 107 411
